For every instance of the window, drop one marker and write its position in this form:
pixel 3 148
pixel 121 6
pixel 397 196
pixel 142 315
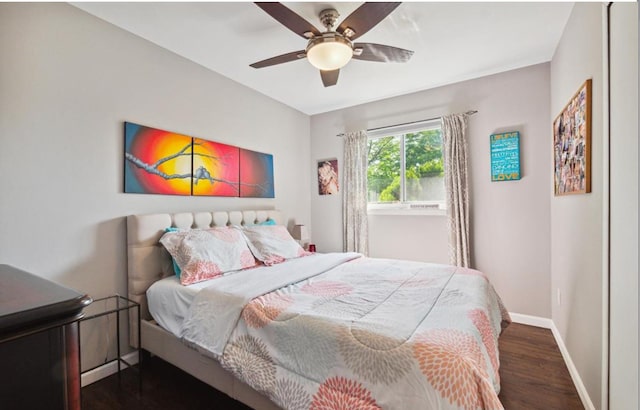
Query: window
pixel 405 168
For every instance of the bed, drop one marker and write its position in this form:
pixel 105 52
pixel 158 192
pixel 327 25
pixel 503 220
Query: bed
pixel 319 331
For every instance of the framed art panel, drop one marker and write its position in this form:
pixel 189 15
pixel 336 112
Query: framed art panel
pixel 328 177
pixel 256 174
pixel 572 145
pixel 156 161
pixel 216 169
pixel 505 156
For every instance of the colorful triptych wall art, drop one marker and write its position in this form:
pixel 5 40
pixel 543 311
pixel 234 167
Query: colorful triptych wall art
pixel 163 162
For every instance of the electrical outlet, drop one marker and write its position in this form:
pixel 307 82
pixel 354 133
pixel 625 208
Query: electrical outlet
pixel 559 296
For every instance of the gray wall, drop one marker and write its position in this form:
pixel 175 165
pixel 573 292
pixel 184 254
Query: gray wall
pixel 68 81
pixel 509 220
pixel 577 220
pixel 623 393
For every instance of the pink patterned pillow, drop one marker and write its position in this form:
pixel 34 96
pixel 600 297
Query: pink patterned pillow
pixel 204 254
pixel 272 244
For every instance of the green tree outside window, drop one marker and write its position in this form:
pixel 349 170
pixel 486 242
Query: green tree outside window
pixel 422 160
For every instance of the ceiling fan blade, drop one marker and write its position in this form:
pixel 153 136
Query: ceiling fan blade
pixel 329 77
pixel 288 18
pixel 284 58
pixel 365 17
pixel 380 53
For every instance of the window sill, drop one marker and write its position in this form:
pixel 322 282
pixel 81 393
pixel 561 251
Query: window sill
pixel 407 212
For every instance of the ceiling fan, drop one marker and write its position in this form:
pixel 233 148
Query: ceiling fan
pixel 331 50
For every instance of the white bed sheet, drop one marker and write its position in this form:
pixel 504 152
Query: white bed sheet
pixel 169 302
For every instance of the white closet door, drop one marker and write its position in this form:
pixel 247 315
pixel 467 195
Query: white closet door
pixel 623 387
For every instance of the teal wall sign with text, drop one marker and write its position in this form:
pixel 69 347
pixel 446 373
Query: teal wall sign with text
pixel 505 156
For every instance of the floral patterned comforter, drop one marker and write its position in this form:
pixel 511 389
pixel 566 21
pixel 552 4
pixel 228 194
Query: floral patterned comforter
pixel 364 334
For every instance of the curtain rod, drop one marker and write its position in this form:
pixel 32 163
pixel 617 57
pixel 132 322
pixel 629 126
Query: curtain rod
pixel 407 123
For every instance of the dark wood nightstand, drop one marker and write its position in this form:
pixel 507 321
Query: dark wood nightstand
pixel 39 348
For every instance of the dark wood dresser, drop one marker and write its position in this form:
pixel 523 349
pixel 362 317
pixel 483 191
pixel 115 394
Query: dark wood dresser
pixel 39 352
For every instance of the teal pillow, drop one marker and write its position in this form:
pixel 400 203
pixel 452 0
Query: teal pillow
pixel 176 268
pixel 268 222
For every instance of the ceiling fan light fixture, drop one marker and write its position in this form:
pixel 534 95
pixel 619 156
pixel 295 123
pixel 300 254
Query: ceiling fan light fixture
pixel 329 51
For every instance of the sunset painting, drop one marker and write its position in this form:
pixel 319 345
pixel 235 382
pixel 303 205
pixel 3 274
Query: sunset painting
pixel 163 162
pixel 156 161
pixel 256 174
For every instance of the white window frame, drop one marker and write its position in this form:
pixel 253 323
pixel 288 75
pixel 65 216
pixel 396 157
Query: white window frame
pixel 406 207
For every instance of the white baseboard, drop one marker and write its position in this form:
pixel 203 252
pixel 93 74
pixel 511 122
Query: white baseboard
pixel 107 369
pixel 536 321
pixel 575 376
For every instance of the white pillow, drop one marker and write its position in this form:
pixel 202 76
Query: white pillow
pixel 204 254
pixel 272 244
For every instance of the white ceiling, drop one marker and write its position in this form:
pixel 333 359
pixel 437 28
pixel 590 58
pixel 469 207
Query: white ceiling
pixel 452 42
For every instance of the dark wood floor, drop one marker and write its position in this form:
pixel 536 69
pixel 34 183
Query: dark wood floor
pixel 532 372
pixel 533 376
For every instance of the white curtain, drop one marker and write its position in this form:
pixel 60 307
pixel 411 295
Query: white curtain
pixel 354 194
pixel 456 185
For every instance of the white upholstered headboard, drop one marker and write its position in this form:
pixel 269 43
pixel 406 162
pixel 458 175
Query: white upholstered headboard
pixel 147 259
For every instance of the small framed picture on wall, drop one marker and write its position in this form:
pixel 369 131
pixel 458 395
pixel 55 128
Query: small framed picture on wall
pixel 328 177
